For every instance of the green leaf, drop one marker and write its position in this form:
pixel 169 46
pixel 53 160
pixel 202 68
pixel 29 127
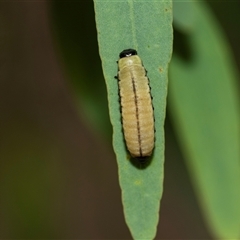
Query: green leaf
pixel 147 27
pixel 205 110
pixel 184 15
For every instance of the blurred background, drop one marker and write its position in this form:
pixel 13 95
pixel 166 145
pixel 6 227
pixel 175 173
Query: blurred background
pixel 58 174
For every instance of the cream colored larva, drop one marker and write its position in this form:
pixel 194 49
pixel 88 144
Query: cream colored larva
pixel 136 104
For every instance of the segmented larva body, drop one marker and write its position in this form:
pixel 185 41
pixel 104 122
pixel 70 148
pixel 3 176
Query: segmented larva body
pixel 136 104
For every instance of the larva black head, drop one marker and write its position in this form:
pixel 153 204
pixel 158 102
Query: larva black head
pixel 127 53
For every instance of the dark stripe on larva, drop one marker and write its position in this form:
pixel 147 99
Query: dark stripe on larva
pixel 137 113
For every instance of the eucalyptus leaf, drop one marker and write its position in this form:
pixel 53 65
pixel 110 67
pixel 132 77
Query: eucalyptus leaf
pixel 147 27
pixel 205 110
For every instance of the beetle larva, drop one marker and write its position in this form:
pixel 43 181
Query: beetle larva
pixel 136 104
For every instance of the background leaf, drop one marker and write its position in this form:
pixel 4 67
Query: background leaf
pixel 205 111
pixel 75 32
pixel 147 27
pixel 184 15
